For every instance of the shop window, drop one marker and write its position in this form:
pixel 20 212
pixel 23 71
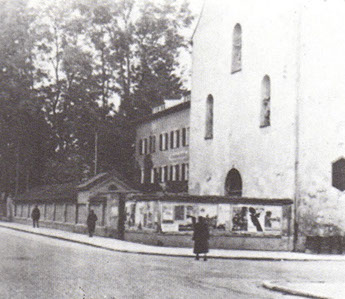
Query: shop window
pixel 236 49
pixel 233 183
pixel 179 212
pixel 338 174
pixel 265 118
pixel 209 117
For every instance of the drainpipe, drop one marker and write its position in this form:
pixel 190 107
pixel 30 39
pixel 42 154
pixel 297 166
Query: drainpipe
pixel 297 126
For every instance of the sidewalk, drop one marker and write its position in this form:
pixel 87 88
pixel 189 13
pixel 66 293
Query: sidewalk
pixel 123 246
pixel 308 289
pixel 320 290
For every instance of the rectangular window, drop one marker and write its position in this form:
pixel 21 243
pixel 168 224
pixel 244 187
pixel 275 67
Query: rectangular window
pixel 152 175
pixel 187 137
pixel 166 141
pixel 140 147
pixel 142 174
pixel 187 172
pixel 160 174
pixel 183 172
pixel 145 146
pixel 171 177
pixel 172 139
pixel 177 134
pixel 161 142
pixel 165 173
pixel 177 175
pixel 179 213
pixel 184 135
pixel 153 144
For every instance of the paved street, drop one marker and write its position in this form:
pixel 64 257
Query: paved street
pixel 39 267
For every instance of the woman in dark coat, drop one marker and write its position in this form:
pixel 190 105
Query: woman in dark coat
pixel 91 222
pixel 200 237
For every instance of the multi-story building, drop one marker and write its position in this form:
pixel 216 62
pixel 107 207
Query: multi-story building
pixel 267 118
pixel 162 146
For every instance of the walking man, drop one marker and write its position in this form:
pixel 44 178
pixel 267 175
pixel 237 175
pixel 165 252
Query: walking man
pixel 35 215
pixel 91 222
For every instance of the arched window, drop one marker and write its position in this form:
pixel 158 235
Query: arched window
pixel 265 117
pixel 236 49
pixel 209 118
pixel 233 183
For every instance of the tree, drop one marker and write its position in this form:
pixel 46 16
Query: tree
pixel 21 131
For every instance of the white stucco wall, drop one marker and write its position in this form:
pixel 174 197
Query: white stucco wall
pixel 265 157
pixel 322 112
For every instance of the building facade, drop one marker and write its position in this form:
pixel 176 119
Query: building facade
pixel 267 117
pixel 162 148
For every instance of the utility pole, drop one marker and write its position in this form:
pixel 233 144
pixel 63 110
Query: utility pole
pixel 96 152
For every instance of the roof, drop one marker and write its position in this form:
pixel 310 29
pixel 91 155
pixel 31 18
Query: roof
pixel 56 192
pixel 171 110
pixel 120 180
pixel 209 199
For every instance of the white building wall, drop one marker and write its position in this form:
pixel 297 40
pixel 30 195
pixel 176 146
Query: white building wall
pixel 265 157
pixel 322 113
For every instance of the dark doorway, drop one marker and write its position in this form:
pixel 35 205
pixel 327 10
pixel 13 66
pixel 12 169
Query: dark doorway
pixel 233 183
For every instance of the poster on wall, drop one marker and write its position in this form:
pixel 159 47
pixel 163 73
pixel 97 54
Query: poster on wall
pixel 256 219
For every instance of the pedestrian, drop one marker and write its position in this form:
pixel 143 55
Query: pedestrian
pixel 91 222
pixel 200 237
pixel 35 215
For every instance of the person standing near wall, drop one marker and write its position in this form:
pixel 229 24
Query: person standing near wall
pixel 91 222
pixel 35 215
pixel 200 237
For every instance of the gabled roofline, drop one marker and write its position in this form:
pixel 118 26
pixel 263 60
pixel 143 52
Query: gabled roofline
pixel 197 24
pixel 173 109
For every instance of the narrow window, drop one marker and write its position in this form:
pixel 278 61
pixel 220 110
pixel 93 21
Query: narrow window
pixel 145 146
pixel 265 117
pixel 160 177
pixel 187 137
pixel 187 172
pixel 161 142
pixel 177 136
pixel 152 175
pixel 171 173
pixel 172 139
pixel 209 118
pixel 177 174
pixel 236 49
pixel 140 147
pixel 184 135
pixel 183 172
pixel 142 174
pixel 166 141
pixel 165 173
pixel 153 144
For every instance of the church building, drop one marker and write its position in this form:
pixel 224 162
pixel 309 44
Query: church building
pixel 268 107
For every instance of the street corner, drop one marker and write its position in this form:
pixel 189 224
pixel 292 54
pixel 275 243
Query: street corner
pixel 309 289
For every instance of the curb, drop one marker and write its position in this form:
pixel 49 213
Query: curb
pixel 142 252
pixel 286 290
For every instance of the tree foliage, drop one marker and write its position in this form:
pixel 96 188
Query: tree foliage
pixel 62 64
